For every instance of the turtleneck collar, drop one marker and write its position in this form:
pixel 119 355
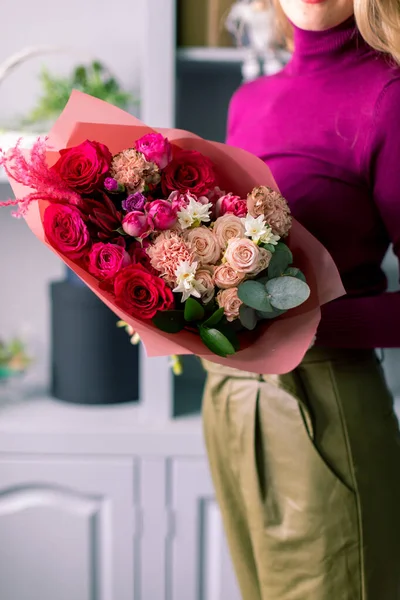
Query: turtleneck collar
pixel 316 50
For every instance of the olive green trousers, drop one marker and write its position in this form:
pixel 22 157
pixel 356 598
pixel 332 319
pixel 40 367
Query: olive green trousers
pixel 306 469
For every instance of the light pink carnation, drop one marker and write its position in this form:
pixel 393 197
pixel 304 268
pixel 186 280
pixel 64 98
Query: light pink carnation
pixel 167 252
pixel 205 275
pixel 243 255
pixel 228 227
pixel 230 302
pixel 204 245
pixel 226 277
pixel 264 260
pixel 131 169
pixel 269 203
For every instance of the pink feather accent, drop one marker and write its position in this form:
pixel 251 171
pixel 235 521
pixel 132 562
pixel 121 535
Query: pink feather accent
pixel 31 170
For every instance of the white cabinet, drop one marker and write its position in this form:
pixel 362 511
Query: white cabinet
pixel 201 567
pixel 66 529
pixel 104 503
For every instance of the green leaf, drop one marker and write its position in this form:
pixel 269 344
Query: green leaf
pixel 120 231
pixel 193 310
pixel 254 294
pixel 214 319
pixel 287 292
pixel 294 272
pixel 270 247
pixel 171 321
pixel 216 341
pixel 248 317
pixel 280 261
pixel 229 333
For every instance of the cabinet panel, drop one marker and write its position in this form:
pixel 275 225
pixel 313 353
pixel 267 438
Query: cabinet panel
pixel 66 530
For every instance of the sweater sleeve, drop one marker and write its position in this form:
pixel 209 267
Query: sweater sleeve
pixel 374 321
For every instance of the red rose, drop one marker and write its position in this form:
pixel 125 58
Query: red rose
pixel 84 167
pixel 139 256
pixel 106 260
pixel 140 293
pixel 189 171
pixel 65 230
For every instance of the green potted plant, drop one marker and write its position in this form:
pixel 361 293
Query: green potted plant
pixel 14 359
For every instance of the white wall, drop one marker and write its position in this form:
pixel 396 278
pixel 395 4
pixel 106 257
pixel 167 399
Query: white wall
pixel 89 28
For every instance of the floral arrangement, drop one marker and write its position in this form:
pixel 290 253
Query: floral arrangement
pixel 187 241
pixel 152 225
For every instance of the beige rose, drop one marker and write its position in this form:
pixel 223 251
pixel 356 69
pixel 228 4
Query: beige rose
pixel 243 255
pixel 269 203
pixel 228 227
pixel 230 302
pixel 204 245
pixel 226 277
pixel 131 169
pixel 205 275
pixel 264 260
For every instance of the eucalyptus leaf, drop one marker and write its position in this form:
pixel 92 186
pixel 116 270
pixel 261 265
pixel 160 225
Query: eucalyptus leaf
pixel 280 261
pixel 270 247
pixel 248 317
pixel 294 272
pixel 193 310
pixel 287 292
pixel 215 318
pixel 170 321
pixel 254 295
pixel 216 341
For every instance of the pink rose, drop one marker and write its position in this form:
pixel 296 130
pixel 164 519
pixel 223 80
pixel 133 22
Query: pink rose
pixel 204 245
pixel 66 231
pixel 156 148
pixel 230 302
pixel 226 277
pixel 204 275
pixel 228 227
pixel 243 255
pixel 162 214
pixel 136 224
pixel 106 260
pixel 231 204
pixel 84 167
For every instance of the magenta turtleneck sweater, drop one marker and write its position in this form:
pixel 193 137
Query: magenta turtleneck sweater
pixel 328 126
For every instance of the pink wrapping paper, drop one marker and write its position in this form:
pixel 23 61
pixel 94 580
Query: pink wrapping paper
pixel 276 346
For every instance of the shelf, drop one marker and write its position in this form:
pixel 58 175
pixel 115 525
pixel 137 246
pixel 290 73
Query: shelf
pixel 218 55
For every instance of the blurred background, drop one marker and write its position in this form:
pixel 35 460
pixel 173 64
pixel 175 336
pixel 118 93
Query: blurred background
pixel 105 492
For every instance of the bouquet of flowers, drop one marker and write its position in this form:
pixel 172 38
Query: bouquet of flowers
pixel 188 241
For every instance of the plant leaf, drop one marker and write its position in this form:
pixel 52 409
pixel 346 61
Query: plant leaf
pixel 248 317
pixel 270 247
pixel 229 333
pixel 287 292
pixel 294 272
pixel 193 310
pixel 254 295
pixel 216 341
pixel 280 261
pixel 170 321
pixel 215 318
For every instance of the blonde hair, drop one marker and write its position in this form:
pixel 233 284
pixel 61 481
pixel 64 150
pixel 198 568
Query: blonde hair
pixel 377 20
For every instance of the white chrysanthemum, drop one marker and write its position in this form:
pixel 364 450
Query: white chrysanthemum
pixel 187 283
pixel 259 231
pixel 194 213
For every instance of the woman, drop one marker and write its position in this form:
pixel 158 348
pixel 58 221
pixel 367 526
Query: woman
pixel 306 466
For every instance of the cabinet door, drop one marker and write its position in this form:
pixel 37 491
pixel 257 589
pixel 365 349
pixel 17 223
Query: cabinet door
pixel 200 565
pixel 66 529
